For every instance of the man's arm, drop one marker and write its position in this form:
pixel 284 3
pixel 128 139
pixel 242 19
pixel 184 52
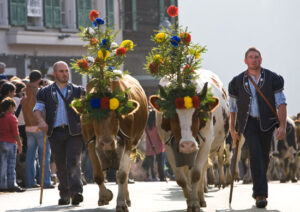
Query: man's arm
pixel 282 113
pixel 41 123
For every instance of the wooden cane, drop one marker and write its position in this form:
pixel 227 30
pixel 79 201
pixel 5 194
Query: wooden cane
pixel 234 168
pixel 43 168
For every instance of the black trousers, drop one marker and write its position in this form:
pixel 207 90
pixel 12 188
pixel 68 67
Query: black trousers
pixel 67 151
pixel 259 144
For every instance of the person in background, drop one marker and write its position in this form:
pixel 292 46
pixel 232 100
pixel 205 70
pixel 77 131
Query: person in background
pixel 2 70
pixel 63 128
pixel 10 143
pixel 7 90
pixel 155 150
pixel 35 137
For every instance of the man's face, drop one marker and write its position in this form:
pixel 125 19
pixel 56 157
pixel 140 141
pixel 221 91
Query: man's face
pixel 61 73
pixel 253 60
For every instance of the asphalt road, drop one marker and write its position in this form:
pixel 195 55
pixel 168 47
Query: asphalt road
pixel 158 197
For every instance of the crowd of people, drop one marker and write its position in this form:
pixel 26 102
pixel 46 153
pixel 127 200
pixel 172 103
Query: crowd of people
pixel 24 104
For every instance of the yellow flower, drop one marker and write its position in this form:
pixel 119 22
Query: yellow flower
pixel 114 103
pixel 160 37
pixel 127 44
pixel 103 54
pixel 197 55
pixel 157 58
pixel 188 102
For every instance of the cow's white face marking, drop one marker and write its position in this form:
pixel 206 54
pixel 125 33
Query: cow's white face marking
pixel 185 122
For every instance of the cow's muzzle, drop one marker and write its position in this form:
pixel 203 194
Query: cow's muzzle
pixel 111 145
pixel 188 146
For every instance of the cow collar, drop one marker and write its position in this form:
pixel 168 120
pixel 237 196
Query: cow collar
pixel 260 83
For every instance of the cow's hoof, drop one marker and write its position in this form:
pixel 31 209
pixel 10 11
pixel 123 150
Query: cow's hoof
pixel 202 203
pixel 282 181
pixel 193 209
pixel 128 202
pixel 104 200
pixel 122 208
pixel 294 180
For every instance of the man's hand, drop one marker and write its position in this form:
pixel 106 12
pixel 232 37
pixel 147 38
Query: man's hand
pixel 235 136
pixel 43 126
pixel 19 148
pixel 280 133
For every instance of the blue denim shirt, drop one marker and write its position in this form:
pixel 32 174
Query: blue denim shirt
pixel 254 110
pixel 61 114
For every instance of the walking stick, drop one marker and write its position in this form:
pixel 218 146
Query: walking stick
pixel 234 168
pixel 43 168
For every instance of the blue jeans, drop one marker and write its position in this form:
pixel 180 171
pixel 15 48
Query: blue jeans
pixel 35 141
pixel 8 155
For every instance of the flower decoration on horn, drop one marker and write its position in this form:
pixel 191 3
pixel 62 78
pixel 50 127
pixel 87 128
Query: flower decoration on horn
pixel 102 66
pixel 175 57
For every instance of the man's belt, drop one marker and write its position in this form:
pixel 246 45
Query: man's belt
pixel 63 126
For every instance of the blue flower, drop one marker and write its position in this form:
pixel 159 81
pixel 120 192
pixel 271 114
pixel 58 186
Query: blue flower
pixel 98 21
pixel 111 68
pixel 95 103
pixel 105 44
pixel 175 40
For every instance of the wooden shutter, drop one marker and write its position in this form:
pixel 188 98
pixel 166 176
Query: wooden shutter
pixel 110 13
pixel 83 8
pixel 52 13
pixel 18 12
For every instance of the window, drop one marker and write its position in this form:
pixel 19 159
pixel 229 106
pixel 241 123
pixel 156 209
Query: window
pixel 83 10
pixel 3 12
pixel 68 12
pixel 18 12
pixel 110 13
pixel 130 21
pixel 52 13
pixel 34 13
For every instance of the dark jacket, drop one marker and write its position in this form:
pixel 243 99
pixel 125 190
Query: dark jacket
pixel 48 96
pixel 239 88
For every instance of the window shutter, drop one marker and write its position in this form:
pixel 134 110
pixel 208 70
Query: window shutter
pixel 83 10
pixel 52 13
pixel 18 12
pixel 110 13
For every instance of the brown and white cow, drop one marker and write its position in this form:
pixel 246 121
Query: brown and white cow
pixel 113 140
pixel 193 139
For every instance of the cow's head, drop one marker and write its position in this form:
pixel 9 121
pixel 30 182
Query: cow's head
pixel 107 129
pixel 185 123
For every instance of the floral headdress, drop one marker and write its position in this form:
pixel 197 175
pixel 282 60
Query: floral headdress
pixel 175 57
pixel 102 66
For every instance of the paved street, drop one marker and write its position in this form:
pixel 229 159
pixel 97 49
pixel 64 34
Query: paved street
pixel 158 196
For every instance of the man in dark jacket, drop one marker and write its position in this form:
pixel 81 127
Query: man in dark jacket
pixel 64 131
pixel 255 120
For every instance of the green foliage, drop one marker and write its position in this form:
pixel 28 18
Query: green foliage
pixel 101 65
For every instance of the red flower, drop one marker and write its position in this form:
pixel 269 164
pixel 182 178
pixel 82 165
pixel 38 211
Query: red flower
pixel 104 103
pixel 153 67
pixel 121 51
pixel 187 68
pixel 179 103
pixel 185 37
pixel 94 41
pixel 82 63
pixel 196 101
pixel 94 14
pixel 172 11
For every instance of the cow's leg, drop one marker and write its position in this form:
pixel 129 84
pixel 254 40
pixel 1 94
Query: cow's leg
pixel 122 179
pixel 201 187
pixel 237 171
pixel 105 195
pixel 220 154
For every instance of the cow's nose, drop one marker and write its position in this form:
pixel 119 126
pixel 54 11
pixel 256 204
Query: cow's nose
pixel 108 146
pixel 188 147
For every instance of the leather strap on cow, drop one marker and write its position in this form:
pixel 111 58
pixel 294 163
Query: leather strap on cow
pixel 262 95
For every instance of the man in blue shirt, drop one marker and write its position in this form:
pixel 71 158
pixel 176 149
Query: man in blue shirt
pixel 255 120
pixel 63 128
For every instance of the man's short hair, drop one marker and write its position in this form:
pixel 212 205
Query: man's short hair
pixel 252 49
pixel 59 62
pixel 35 75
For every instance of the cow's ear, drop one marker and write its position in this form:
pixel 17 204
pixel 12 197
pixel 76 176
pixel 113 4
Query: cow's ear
pixel 136 106
pixel 77 106
pixel 152 102
pixel 213 105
